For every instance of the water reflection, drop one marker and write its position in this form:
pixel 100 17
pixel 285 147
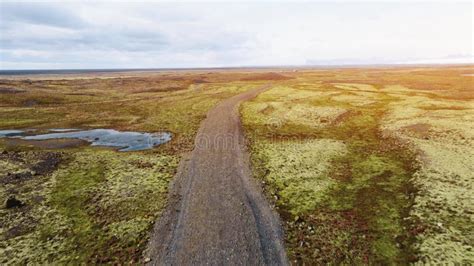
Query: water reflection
pixel 124 140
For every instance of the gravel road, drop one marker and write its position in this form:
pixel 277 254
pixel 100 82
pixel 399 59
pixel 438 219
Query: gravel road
pixel 216 212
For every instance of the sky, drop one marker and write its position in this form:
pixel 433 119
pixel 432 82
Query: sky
pixel 159 34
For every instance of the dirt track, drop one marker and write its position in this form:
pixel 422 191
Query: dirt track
pixel 217 213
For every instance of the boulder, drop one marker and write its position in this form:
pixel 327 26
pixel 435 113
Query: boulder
pixel 12 202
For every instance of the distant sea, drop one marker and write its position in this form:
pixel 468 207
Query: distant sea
pixel 88 71
pixel 73 71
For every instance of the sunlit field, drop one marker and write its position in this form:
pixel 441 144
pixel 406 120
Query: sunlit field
pixel 368 165
pixel 92 204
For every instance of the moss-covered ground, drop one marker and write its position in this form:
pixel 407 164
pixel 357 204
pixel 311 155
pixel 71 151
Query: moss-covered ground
pixel 96 207
pixel 349 187
pixel 92 205
pixel 366 165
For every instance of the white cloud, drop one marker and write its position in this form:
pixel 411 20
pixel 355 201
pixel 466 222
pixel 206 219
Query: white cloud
pixel 211 34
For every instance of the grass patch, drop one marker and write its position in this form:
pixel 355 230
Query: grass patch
pixel 99 206
pixel 340 205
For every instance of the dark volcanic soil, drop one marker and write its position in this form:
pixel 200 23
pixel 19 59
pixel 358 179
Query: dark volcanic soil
pixel 48 162
pixel 217 214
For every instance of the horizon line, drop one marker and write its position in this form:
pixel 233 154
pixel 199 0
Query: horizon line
pixel 322 66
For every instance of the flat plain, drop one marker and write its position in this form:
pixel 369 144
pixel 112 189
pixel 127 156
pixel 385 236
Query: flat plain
pixel 363 165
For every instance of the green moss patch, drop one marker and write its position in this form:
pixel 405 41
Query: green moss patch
pixel 97 208
pixel 343 188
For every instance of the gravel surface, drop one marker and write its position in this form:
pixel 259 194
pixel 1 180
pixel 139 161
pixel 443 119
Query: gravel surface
pixel 217 213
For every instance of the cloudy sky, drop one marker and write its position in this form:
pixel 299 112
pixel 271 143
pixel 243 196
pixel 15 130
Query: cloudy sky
pixel 51 35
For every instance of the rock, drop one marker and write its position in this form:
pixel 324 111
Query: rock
pixel 12 202
pixel 298 219
pixel 146 260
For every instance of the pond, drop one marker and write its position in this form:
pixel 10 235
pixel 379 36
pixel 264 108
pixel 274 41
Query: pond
pixel 123 140
pixel 10 133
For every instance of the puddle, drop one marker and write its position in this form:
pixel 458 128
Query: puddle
pixel 124 140
pixel 10 133
pixel 63 129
